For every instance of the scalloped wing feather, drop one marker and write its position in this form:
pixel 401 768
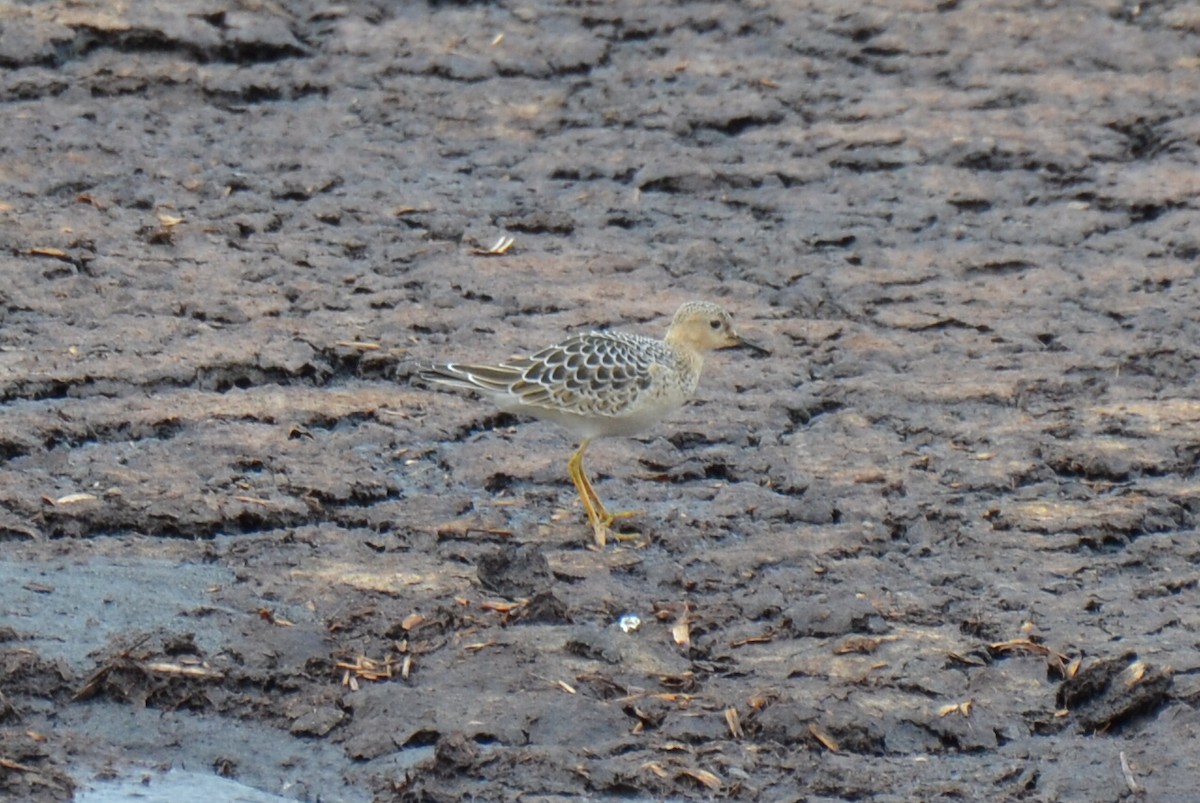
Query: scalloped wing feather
pixel 564 377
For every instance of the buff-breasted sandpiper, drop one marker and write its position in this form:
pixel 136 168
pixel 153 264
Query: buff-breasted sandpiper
pixel 602 384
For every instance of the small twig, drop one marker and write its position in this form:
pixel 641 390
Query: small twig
pixel 35 776
pixel 499 249
pixel 180 669
pixel 93 683
pixel 1128 773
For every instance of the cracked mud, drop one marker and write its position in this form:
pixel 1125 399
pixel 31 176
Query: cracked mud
pixel 942 545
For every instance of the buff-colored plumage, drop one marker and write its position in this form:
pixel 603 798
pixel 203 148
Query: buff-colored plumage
pixel 602 383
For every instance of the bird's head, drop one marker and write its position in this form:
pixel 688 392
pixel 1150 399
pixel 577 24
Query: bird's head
pixel 704 326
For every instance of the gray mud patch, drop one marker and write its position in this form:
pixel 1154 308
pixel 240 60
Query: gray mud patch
pixel 942 545
pixel 95 603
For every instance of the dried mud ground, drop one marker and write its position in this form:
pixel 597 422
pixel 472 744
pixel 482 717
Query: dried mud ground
pixel 941 545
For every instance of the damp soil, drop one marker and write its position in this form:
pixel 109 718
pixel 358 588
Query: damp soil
pixel 941 545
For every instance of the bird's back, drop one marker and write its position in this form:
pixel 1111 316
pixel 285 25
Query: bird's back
pixel 595 384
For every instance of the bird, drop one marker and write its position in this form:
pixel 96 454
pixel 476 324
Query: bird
pixel 602 384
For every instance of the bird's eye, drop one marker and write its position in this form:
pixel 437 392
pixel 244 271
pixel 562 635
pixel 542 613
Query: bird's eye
pixel 714 323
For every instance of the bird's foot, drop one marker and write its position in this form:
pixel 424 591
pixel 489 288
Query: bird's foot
pixel 600 533
pixel 634 540
pixel 602 528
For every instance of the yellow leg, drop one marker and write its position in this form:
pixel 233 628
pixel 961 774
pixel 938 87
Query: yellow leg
pixel 587 495
pixel 598 516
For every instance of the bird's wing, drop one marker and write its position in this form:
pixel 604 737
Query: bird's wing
pixel 600 373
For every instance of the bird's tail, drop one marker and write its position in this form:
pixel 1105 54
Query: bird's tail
pixel 480 378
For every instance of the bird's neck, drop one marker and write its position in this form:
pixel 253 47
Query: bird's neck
pixel 693 361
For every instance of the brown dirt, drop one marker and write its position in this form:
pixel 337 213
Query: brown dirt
pixel 942 545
